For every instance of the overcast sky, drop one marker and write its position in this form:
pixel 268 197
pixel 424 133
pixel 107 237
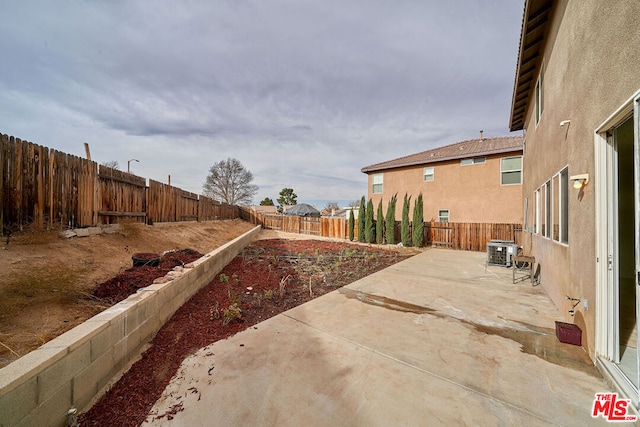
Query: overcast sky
pixel 303 93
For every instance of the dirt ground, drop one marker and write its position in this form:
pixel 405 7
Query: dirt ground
pixel 46 281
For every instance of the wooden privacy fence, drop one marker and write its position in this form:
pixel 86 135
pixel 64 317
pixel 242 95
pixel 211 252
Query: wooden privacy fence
pixel 462 236
pixel 46 188
pixel 469 236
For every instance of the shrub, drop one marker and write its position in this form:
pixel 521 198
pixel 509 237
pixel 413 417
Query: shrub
pixel 417 230
pixel 406 235
pixel 390 220
pixel 379 224
pixel 352 223
pixel 370 226
pixel 361 220
pixel 231 313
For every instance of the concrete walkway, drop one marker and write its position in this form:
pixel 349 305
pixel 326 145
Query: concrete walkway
pixel 438 339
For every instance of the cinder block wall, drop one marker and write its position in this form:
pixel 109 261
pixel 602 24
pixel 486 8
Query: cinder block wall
pixel 69 371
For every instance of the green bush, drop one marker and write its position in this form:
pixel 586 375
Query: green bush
pixel 370 226
pixel 379 224
pixel 417 229
pixel 352 223
pixel 406 235
pixel 390 221
pixel 361 220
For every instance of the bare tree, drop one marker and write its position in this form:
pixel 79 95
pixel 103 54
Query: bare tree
pixel 331 205
pixel 113 164
pixel 229 182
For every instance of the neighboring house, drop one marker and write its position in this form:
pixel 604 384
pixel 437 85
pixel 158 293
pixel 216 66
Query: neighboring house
pixel 478 180
pixel 342 212
pixel 264 210
pixel 577 97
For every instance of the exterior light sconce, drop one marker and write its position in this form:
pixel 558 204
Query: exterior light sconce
pixel 579 181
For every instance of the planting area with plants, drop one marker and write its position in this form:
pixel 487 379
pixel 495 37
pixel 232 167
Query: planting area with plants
pixel 267 278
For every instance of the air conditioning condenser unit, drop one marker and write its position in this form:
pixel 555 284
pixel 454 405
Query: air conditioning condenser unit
pixel 500 252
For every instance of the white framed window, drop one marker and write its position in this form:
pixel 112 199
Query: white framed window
pixel 542 211
pixel 560 196
pixel 473 161
pixel 377 183
pixel 443 215
pixel 538 212
pixel 546 232
pixel 539 95
pixel 511 170
pixel 428 173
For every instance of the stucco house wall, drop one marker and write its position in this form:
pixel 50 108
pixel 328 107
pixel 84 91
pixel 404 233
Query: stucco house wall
pixel 590 57
pixel 470 192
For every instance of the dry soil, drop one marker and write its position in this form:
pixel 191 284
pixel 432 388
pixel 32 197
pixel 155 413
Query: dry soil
pixel 46 281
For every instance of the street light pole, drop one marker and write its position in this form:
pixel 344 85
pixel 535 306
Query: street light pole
pixel 129 164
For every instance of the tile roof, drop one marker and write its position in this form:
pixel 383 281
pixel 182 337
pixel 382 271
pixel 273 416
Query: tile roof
pixel 459 150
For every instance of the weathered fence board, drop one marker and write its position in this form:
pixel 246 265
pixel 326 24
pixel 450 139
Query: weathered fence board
pixel 42 187
pixel 461 236
pixel 121 195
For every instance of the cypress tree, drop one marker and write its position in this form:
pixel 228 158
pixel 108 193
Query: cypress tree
pixel 370 226
pixel 417 231
pixel 379 224
pixel 361 220
pixel 352 223
pixel 406 235
pixel 390 221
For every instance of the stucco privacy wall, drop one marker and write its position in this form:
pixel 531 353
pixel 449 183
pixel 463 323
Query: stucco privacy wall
pixel 70 370
pixel 590 61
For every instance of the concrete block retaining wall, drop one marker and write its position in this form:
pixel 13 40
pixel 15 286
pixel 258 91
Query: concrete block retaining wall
pixel 72 369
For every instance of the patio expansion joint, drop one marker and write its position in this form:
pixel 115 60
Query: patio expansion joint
pixel 419 369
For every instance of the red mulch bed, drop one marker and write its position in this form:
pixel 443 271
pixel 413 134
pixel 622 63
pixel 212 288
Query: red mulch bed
pixel 128 282
pixel 267 278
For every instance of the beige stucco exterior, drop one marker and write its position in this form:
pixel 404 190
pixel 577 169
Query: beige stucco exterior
pixel 471 193
pixel 590 56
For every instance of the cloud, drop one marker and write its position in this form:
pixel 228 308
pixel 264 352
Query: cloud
pixel 304 94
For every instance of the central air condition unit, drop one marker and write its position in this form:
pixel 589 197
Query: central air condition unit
pixel 499 252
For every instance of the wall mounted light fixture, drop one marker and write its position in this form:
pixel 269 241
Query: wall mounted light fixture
pixel 579 181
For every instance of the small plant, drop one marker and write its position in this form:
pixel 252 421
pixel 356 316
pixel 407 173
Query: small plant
pixel 231 313
pixel 268 294
pixel 225 279
pixel 283 283
pixel 214 312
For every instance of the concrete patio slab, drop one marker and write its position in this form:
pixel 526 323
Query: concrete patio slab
pixel 439 339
